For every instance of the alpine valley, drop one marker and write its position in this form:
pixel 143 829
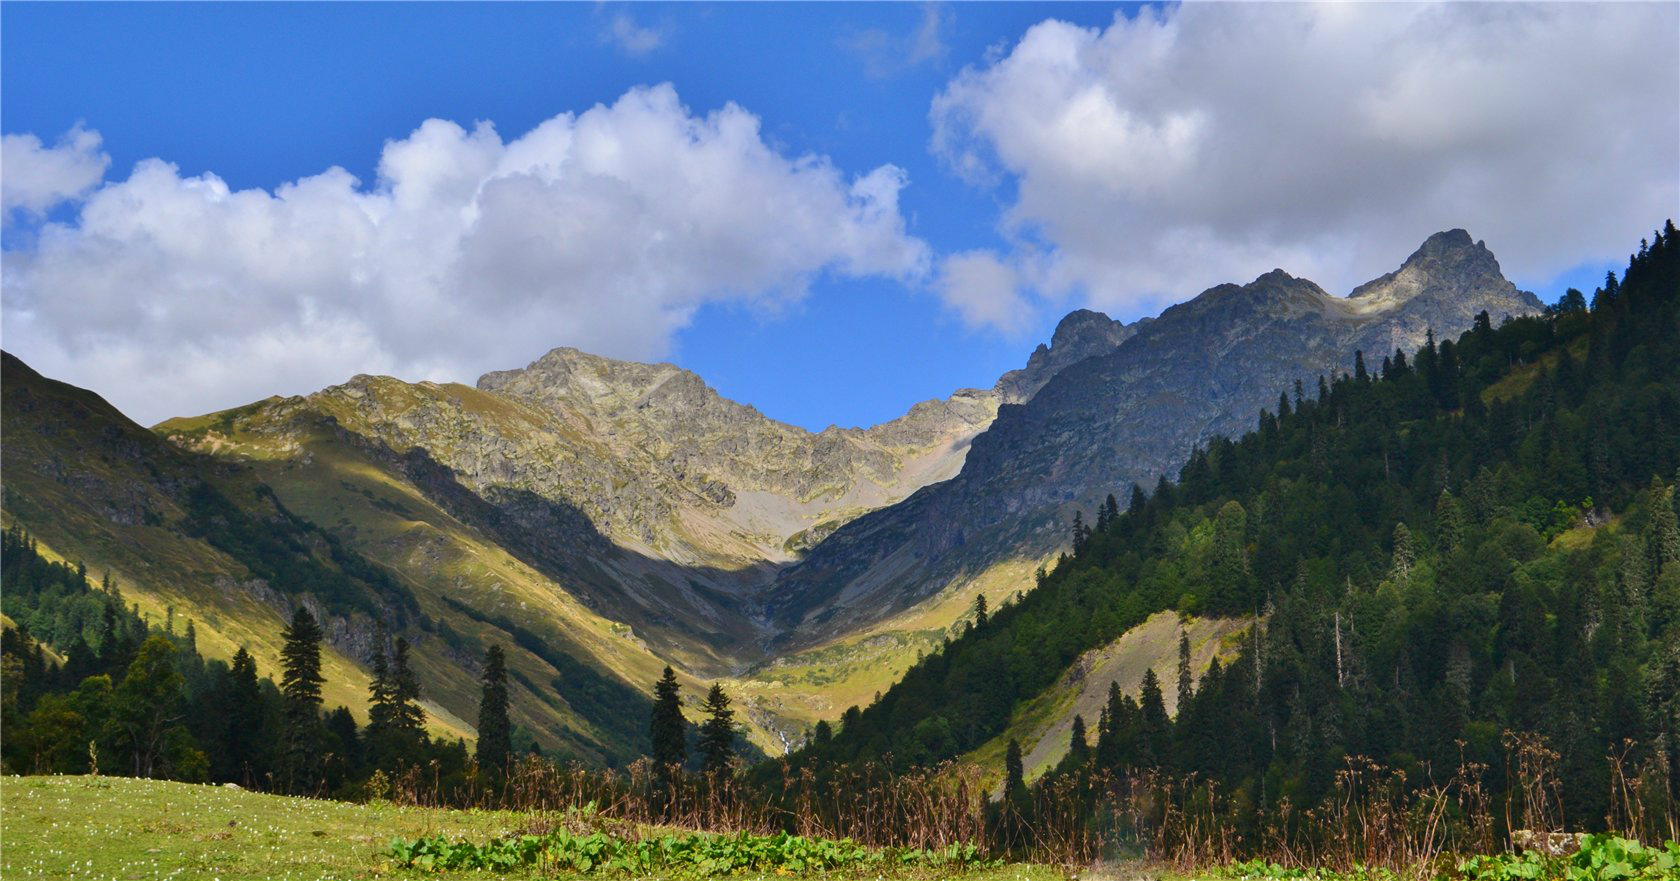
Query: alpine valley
pixel 603 519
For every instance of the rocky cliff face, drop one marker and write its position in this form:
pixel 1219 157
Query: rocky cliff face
pixel 1080 335
pixel 1203 368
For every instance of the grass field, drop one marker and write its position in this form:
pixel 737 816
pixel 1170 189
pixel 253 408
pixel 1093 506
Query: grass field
pixel 117 828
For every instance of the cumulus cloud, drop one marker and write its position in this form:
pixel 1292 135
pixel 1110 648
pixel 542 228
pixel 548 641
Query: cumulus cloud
pixel 1206 143
pixel 985 290
pixel 35 178
pixel 605 229
pixel 631 38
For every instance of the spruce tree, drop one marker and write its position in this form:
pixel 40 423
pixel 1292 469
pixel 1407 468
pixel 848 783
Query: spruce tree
pixel 239 759
pixel 1079 747
pixel 668 729
pixel 1155 747
pixel 1185 683
pixel 717 733
pixel 381 694
pixel 1014 770
pixel 405 692
pixel 1404 554
pixel 495 732
pixel 980 610
pixel 300 685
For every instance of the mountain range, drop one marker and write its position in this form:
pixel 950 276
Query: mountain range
pixel 603 518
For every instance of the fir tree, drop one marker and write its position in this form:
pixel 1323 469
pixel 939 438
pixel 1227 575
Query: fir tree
pixel 381 693
pixel 1449 523
pixel 300 685
pixel 1079 749
pixel 1014 770
pixel 980 610
pixel 1404 554
pixel 239 758
pixel 405 691
pixel 668 729
pixel 1155 744
pixel 495 733
pixel 717 733
pixel 1185 684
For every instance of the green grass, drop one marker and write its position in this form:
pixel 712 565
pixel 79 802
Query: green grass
pixel 107 827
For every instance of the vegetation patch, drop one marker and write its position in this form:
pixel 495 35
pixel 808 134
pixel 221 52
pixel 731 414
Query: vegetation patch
pixel 691 854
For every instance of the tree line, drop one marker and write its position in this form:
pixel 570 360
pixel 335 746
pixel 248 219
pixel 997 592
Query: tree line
pixel 114 693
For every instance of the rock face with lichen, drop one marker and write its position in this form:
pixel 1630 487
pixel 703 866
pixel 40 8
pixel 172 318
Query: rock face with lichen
pixel 1204 368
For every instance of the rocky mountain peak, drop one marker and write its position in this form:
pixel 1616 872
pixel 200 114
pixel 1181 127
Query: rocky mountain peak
pixel 1448 267
pixel 1080 334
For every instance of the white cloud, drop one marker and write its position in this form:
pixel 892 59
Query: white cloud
pixel 1210 143
pixel 35 178
pixel 605 230
pixel 985 291
pixel 631 38
pixel 886 54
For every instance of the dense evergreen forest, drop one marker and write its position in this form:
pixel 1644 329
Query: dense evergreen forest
pixel 1447 554
pixel 90 685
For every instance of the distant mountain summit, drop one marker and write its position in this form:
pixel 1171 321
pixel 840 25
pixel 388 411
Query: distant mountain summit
pixel 1128 415
pixel 1081 334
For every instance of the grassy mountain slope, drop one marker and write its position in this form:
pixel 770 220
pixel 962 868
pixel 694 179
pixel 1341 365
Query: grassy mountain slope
pixel 210 539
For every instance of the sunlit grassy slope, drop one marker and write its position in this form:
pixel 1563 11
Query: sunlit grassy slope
pixel 1044 725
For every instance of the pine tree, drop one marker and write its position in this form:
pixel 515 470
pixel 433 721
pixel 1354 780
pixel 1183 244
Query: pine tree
pixel 1185 683
pixel 1079 748
pixel 300 685
pixel 495 732
pixel 1155 746
pixel 1449 523
pixel 980 610
pixel 241 702
pixel 668 729
pixel 381 694
pixel 717 733
pixel 1014 770
pixel 405 692
pixel 1404 554
pixel 1663 540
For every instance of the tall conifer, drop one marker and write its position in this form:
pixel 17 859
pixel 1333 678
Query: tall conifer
pixel 495 733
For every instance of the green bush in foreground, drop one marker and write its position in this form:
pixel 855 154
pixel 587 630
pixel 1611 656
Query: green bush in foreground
pixel 1602 857
pixel 696 853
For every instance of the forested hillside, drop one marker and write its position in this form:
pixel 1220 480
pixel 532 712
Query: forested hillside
pixel 1452 552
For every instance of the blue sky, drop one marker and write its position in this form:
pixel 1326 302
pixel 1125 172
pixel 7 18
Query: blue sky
pixel 260 95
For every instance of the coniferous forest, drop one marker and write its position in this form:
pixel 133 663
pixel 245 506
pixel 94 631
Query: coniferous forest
pixel 1458 559
pixel 1460 569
